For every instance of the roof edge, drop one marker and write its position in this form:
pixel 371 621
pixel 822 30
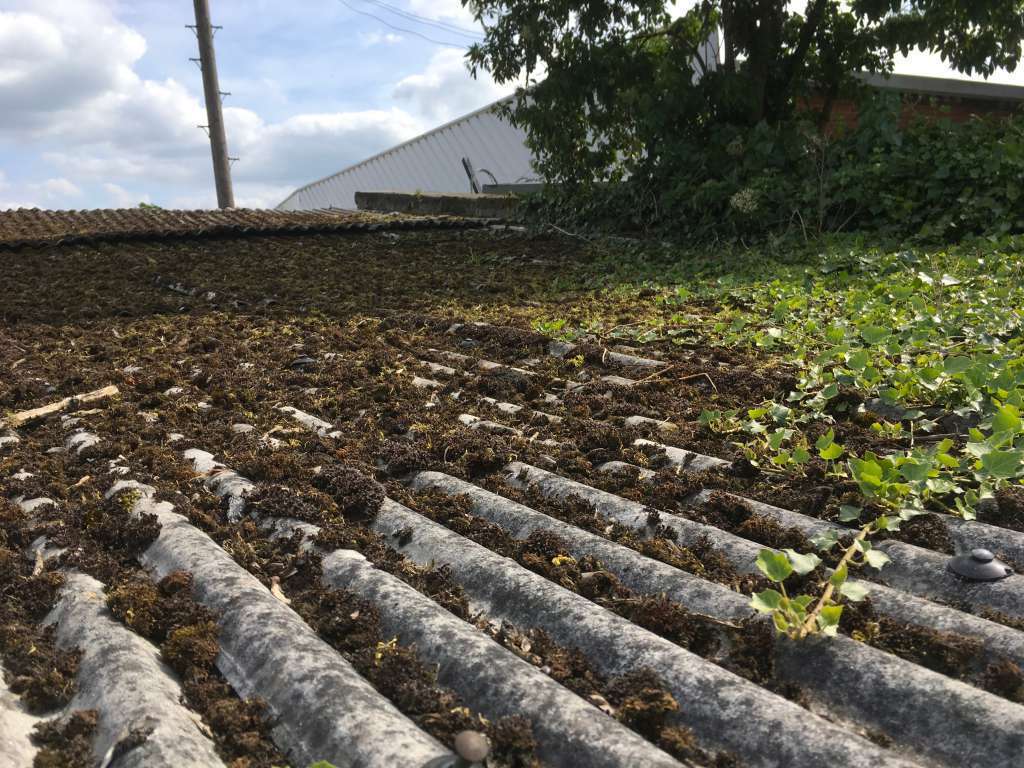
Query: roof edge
pixel 943 86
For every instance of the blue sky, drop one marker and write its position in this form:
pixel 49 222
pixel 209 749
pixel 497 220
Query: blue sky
pixel 99 102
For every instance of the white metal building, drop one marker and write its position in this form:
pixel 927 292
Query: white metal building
pixel 432 162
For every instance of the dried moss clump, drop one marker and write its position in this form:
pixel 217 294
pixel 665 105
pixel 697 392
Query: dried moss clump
pixel 66 743
pixel 358 496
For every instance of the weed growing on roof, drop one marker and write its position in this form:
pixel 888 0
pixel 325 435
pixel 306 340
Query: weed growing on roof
pixel 917 344
pixel 924 347
pixel 801 615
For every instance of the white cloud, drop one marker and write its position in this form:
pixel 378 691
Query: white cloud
pixel 252 195
pixel 56 189
pixel 445 90
pixel 13 205
pixel 368 40
pixel 119 197
pixel 449 11
pixel 70 93
pixel 313 145
pixel 65 54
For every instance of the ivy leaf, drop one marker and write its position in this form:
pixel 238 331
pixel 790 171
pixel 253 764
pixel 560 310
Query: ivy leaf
pixel 1002 464
pixel 875 558
pixel 941 486
pixel 776 439
pixel 825 440
pixel 875 334
pixel 1007 419
pixel 867 473
pixel 802 601
pixel 915 470
pixel 839 575
pixel 831 453
pixel 825 540
pixel 780 413
pixel 858 360
pixel 767 601
pixel 828 619
pixel 802 564
pixel 848 513
pixel 955 365
pixel 886 523
pixel 774 565
pixel 977 449
pixel 854 591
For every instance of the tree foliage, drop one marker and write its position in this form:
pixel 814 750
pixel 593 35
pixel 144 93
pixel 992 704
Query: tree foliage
pixel 620 89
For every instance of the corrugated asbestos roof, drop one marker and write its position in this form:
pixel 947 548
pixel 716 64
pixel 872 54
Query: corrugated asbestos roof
pixel 428 163
pixel 32 226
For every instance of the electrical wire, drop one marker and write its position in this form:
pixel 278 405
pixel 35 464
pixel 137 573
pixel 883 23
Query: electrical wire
pixel 461 47
pixel 412 16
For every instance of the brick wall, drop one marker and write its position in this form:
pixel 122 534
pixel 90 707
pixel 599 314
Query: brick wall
pixel 955 108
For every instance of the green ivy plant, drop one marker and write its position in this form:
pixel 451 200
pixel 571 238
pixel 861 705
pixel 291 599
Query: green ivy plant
pixel 923 346
pixel 798 616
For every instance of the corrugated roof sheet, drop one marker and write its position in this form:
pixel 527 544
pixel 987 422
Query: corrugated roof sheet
pixel 32 226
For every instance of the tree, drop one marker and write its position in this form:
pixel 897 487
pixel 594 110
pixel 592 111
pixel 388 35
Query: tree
pixel 620 87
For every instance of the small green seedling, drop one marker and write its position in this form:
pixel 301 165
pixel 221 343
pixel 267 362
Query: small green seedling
pixel 800 615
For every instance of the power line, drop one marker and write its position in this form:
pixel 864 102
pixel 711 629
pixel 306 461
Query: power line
pixel 461 47
pixel 412 16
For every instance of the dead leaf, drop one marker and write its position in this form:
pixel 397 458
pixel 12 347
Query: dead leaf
pixel 601 703
pixel 276 591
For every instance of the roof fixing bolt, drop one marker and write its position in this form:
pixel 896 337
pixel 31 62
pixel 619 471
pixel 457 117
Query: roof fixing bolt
pixel 471 747
pixel 979 565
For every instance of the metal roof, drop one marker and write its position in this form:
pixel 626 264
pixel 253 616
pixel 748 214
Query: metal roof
pixel 431 162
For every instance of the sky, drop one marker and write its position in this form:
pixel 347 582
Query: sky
pixel 99 103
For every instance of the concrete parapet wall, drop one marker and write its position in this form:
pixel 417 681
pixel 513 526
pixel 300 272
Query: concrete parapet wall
pixel 470 205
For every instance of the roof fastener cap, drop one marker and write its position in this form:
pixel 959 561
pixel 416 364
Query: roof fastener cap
pixel 471 747
pixel 979 565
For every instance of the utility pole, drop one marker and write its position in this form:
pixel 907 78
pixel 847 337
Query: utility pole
pixel 214 116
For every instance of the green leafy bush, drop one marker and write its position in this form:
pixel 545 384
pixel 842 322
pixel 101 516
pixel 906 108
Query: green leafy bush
pixel 932 180
pixel 642 123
